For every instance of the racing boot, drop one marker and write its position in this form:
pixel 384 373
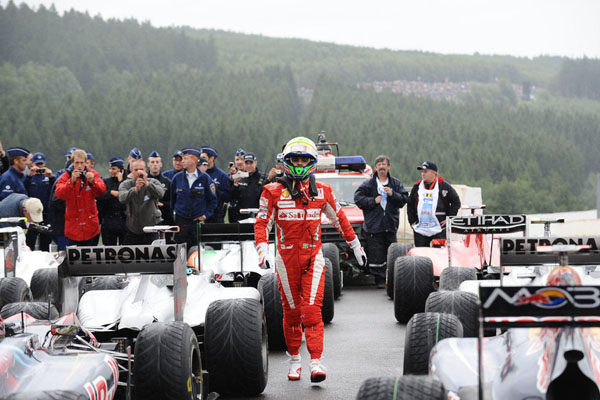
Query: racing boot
pixel 317 371
pixel 295 367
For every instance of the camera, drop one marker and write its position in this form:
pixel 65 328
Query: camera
pixel 40 171
pixel 71 168
pixel 231 164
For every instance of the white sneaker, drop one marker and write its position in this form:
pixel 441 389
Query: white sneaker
pixel 318 372
pixel 295 368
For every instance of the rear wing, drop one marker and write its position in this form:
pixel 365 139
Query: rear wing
pixel 487 224
pixel 524 251
pixel 228 233
pixel 539 306
pixel 111 260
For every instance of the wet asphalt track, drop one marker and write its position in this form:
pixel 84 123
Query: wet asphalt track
pixel 364 340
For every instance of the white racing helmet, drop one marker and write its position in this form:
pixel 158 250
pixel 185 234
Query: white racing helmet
pixel 300 147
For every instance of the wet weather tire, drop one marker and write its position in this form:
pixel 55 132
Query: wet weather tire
pixel 423 331
pixel 167 361
pixel 14 290
pixel 268 287
pixel 394 251
pixel 331 252
pixel 44 283
pixel 462 304
pixel 235 347
pixel 413 281
pixel 401 388
pixel 327 310
pixel 37 310
pixel 452 277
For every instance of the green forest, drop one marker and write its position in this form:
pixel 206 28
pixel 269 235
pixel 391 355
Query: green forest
pixel 526 130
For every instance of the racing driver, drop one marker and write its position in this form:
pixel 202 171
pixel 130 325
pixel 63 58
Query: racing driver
pixel 294 203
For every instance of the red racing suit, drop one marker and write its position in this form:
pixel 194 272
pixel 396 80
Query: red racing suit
pixel 299 262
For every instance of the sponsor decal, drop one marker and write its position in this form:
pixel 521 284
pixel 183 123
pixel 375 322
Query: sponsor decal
pixel 123 254
pixel 313 214
pixel 586 297
pixel 286 204
pixel 263 202
pixel 261 215
pixel 285 194
pixel 492 223
pixel 291 214
pixel 320 194
pixel 529 245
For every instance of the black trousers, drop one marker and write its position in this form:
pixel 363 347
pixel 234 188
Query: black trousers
pixel 376 246
pixel 113 231
pixel 139 239
pixel 425 241
pixel 187 231
pixel 90 242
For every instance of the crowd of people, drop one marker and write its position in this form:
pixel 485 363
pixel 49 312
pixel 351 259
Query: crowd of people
pixel 81 206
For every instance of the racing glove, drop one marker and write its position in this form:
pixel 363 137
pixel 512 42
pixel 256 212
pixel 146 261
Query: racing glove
pixel 263 249
pixel 359 253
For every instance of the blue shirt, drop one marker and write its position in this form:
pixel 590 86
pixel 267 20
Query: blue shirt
pixel 12 181
pixel 12 206
pixel 195 201
pixel 170 173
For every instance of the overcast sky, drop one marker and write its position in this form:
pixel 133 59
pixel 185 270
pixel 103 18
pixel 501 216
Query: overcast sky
pixel 517 27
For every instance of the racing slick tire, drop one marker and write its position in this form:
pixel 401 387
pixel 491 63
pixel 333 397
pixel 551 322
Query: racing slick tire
pixel 409 387
pixel 14 290
pixel 44 283
pixel 452 277
pixel 235 347
pixel 48 395
pixel 462 304
pixel 167 362
pixel 327 310
pixel 394 251
pixel 413 281
pixel 268 288
pixel 331 252
pixel 37 310
pixel 423 331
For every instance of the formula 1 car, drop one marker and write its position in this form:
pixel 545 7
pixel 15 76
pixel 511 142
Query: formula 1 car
pixel 473 255
pixel 344 175
pixel 550 347
pixel 228 323
pixel 20 267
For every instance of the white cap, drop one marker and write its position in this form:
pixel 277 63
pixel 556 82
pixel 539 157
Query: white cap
pixel 35 208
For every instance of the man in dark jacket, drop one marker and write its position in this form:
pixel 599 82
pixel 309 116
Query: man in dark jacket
pixel 110 210
pixel 246 191
pixel 431 200
pixel 39 183
pixel 380 198
pixel 13 180
pixel 222 184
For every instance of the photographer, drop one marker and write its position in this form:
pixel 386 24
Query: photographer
pixel 39 184
pixel 141 195
pixel 238 163
pixel 110 209
pixel 78 186
pixel 246 191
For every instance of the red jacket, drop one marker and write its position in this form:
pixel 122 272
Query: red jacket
pixel 81 214
pixel 298 224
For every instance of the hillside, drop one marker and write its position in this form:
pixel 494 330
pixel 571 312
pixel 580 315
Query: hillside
pixel 107 86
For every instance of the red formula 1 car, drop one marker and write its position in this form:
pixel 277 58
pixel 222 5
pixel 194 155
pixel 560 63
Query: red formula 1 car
pixel 345 175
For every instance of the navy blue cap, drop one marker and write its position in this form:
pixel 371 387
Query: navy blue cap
pixel 240 152
pixel 90 156
pixel 428 165
pixel 178 153
pixel 249 157
pixel 135 153
pixel 17 151
pixel 70 151
pixel 38 158
pixel 210 151
pixel 191 150
pixel 154 153
pixel 116 162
